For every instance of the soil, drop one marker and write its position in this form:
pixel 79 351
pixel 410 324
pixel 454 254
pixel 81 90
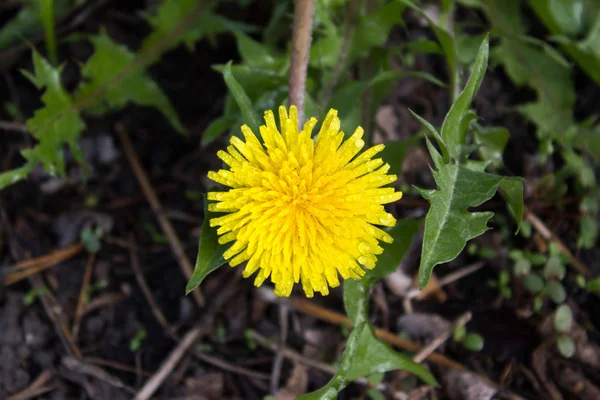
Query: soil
pixel 44 214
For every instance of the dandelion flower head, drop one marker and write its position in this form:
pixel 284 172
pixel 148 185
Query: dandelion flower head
pixel 300 209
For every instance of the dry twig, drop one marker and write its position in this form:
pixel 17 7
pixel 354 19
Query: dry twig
pixel 171 361
pixel 176 246
pixel 29 267
pixel 547 234
pixel 437 342
pixel 82 295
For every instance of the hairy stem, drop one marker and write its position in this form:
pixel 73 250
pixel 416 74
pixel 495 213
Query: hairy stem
pixel 301 37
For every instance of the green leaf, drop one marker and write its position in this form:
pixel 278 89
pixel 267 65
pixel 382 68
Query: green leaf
pixel 533 283
pixel 564 16
pixel 522 267
pixel 448 44
pixel 324 53
pixel 257 55
pixel 393 253
pixel 493 140
pixel 108 64
pixel 47 17
pixel 565 346
pixel 365 355
pixel 588 141
pixel 563 318
pixel 52 125
pixel 356 299
pixel 255 81
pixel 554 269
pixel 215 129
pixel 373 30
pixel 473 342
pixel 528 65
pixel 589 230
pixel 454 127
pixel 459 333
pixel 13 176
pixel 512 190
pixel 27 23
pixel 556 291
pixel 185 22
pixel 243 101
pixel 395 152
pixel 448 225
pixel 210 252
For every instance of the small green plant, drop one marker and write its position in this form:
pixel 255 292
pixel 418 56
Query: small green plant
pixel 32 295
pixel 136 343
pixel 92 238
pixel 563 320
pixel 502 284
pixel 470 340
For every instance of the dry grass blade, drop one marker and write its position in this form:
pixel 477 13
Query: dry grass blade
pixel 82 295
pixel 29 267
pixel 389 337
pixel 547 234
pixel 176 247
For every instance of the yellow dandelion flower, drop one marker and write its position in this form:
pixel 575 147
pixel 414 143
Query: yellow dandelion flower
pixel 300 209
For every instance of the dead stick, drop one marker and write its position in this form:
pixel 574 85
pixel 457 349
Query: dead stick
pixel 55 257
pixel 165 224
pixel 336 318
pixel 82 295
pixel 278 362
pixel 437 342
pixel 135 265
pixel 547 234
pixel 36 389
pixel 301 37
pixel 169 364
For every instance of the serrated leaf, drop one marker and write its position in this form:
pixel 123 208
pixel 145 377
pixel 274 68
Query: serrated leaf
pixel 365 355
pixel 241 98
pixel 448 225
pixel 512 190
pixel 563 318
pixel 107 64
pixel 393 253
pixel 356 299
pixel 456 121
pixel 53 125
pixel 210 252
pixel 528 65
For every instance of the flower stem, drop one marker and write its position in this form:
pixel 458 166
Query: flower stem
pixel 301 37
